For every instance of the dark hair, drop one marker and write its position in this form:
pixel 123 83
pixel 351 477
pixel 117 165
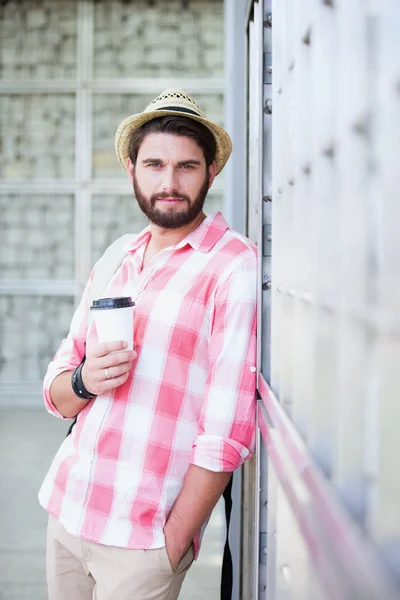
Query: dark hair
pixel 176 126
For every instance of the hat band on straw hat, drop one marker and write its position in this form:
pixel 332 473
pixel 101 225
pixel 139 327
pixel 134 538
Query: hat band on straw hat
pixel 180 109
pixel 171 102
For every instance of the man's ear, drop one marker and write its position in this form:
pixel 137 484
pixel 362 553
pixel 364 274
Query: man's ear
pixel 130 169
pixel 212 171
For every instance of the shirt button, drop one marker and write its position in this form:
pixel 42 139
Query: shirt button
pixel 253 369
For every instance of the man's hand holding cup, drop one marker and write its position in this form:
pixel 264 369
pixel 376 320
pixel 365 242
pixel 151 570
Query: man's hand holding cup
pixel 107 366
pixel 109 362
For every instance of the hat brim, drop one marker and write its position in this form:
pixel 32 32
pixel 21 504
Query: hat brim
pixel 128 125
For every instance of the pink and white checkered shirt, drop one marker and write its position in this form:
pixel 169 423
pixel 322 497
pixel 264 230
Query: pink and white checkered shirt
pixel 190 397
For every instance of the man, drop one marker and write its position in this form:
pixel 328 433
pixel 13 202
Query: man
pixel 159 429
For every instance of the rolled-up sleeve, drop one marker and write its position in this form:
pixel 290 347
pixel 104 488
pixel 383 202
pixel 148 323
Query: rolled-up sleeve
pixel 227 425
pixel 71 351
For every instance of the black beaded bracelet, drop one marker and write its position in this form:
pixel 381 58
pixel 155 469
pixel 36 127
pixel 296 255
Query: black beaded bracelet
pixel 77 384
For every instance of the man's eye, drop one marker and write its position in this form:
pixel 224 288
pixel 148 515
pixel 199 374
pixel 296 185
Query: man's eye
pixel 153 164
pixel 187 167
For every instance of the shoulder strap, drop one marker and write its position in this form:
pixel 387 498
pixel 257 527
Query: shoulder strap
pixel 105 269
pixel 227 567
pixel 107 266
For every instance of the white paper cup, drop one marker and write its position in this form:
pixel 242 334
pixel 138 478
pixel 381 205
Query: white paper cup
pixel 114 319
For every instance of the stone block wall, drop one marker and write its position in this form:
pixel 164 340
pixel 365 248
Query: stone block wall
pixel 150 39
pixel 31 327
pixel 37 136
pixel 40 119
pixel 38 39
pixel 37 237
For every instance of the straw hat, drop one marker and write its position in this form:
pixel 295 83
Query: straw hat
pixel 171 102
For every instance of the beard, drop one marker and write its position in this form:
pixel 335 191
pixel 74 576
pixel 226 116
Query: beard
pixel 173 217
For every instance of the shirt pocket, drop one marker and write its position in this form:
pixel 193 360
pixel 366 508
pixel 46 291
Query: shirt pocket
pixel 180 328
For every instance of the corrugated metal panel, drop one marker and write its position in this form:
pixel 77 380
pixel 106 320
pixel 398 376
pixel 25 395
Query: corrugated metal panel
pixel 335 341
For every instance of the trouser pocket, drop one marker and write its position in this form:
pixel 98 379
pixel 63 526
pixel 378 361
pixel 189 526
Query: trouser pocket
pixel 185 562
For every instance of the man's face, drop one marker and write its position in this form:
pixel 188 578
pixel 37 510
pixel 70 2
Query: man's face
pixel 170 179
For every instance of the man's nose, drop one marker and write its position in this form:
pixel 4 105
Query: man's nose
pixel 170 181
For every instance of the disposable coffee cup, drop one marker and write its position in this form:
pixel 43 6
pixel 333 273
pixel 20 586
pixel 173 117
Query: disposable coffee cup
pixel 114 319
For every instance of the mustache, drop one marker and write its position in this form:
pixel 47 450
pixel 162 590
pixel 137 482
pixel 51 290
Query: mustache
pixel 156 197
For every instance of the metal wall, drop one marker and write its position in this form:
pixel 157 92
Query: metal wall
pixel 322 200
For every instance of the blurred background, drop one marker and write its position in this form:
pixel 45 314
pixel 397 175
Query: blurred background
pixel 70 71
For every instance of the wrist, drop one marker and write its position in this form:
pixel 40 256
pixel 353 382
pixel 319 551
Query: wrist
pixel 84 380
pixel 78 386
pixel 176 537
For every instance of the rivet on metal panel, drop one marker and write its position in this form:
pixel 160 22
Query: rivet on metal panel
pixel 362 127
pixel 307 169
pixel 266 283
pixel 268 21
pixel 291 66
pixel 266 231
pixel 267 198
pixel 263 548
pixel 291 292
pixel 263 557
pixel 280 90
pixel 279 289
pixel 307 37
pixel 279 190
pixel 328 3
pixel 267 67
pixel 286 572
pixel 307 297
pixel 268 107
pixel 329 151
pixel 291 181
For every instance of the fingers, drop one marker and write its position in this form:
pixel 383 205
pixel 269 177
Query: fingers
pixel 111 384
pixel 96 381
pixel 110 353
pixel 115 358
pixel 103 372
pixel 114 372
pixel 99 350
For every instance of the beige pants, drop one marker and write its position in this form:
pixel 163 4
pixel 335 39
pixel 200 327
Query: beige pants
pixel 81 570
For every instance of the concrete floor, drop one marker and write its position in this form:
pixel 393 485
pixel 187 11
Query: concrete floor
pixel 28 442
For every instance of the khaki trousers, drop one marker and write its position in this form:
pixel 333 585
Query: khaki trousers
pixel 81 570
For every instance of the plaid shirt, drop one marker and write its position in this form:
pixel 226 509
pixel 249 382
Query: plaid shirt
pixel 189 399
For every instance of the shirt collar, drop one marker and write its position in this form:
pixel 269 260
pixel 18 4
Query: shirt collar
pixel 207 234
pixel 138 241
pixel 203 238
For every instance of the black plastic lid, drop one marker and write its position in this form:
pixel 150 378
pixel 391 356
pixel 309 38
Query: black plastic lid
pixel 119 302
